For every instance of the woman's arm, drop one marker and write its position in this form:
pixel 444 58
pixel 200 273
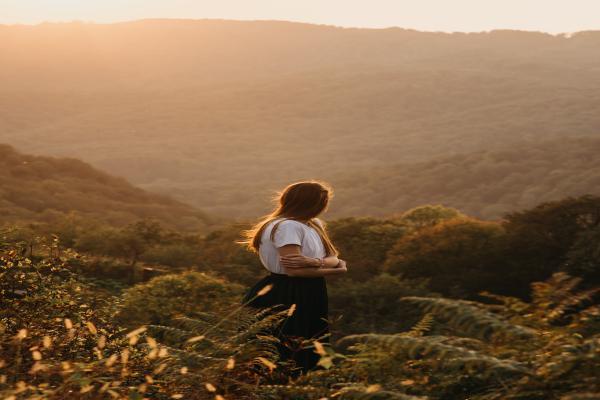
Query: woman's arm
pixel 300 261
pixel 292 259
pixel 290 256
pixel 311 272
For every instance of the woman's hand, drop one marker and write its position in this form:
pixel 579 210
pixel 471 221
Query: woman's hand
pixel 298 261
pixel 341 268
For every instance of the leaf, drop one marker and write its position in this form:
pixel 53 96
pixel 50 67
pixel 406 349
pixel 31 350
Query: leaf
pixel 326 362
pixel 319 349
pixel 91 327
pixel 265 290
pixel 268 363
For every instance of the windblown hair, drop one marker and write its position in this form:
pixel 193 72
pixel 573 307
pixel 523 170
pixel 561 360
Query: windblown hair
pixel 300 201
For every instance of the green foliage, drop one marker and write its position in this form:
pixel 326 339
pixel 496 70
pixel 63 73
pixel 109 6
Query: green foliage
pixel 178 255
pixel 527 356
pixel 464 256
pixel 429 215
pixel 559 301
pixel 459 256
pixel 366 242
pixel 166 296
pixel 539 239
pixel 98 239
pixel 135 239
pixel 423 326
pixel 446 355
pixel 60 340
pixel 221 255
pixel 467 319
pixel 66 335
pixel 372 305
pixel 583 258
pixel 45 289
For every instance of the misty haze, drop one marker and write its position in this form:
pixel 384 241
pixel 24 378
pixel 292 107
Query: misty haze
pixel 204 111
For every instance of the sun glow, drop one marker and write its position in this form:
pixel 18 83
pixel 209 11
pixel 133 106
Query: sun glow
pixel 430 15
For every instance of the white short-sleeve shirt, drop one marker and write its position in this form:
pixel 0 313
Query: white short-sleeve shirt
pixel 289 232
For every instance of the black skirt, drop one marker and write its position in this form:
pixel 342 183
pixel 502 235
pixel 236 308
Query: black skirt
pixel 309 320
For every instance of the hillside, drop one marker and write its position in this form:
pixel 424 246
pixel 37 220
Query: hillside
pixel 46 188
pixel 485 184
pixel 219 113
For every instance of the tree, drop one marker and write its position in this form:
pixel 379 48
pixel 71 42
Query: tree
pixel 461 257
pixel 136 238
pixel 541 240
pixel 223 256
pixel 583 259
pixel 428 215
pixel 364 242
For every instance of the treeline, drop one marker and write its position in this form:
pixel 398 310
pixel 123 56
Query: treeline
pixel 458 255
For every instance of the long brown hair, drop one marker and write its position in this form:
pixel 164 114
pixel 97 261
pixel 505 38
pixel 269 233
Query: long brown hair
pixel 299 201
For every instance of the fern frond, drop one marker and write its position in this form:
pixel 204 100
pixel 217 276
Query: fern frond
pixel 512 304
pixel 572 304
pixel 168 334
pixel 430 347
pixel 581 396
pixel 423 326
pixel 554 290
pixel 193 359
pixel 247 316
pixel 260 346
pixel 193 325
pixel 465 318
pixel 266 323
pixel 277 392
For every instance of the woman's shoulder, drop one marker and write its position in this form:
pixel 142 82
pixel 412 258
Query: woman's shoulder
pixel 285 223
pixel 298 224
pixel 291 223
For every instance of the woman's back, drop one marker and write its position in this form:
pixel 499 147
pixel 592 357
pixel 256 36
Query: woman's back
pixel 289 232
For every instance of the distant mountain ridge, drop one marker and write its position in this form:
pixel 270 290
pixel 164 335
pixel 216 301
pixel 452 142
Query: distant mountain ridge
pixel 220 113
pixel 36 188
pixel 179 52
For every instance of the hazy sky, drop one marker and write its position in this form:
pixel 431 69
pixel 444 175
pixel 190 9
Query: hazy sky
pixel 433 15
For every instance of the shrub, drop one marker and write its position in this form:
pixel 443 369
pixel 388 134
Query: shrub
pixel 166 296
pixel 372 305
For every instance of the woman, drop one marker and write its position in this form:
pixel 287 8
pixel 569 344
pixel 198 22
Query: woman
pixel 293 245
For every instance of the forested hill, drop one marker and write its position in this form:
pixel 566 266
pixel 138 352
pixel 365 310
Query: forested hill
pixel 219 113
pixel 485 184
pixel 37 188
